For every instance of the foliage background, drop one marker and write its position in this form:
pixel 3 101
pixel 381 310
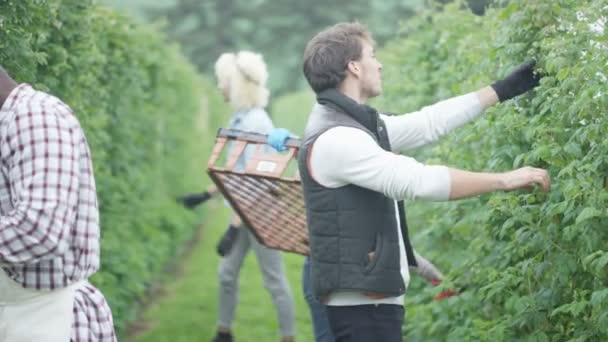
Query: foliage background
pixel 534 264
pixel 278 29
pixel 148 118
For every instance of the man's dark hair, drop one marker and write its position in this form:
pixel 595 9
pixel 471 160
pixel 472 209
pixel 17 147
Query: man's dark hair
pixel 328 53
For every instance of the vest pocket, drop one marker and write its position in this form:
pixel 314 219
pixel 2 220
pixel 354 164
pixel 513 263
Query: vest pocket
pixel 374 255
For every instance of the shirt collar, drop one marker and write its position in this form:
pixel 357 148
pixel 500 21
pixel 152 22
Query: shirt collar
pixel 16 94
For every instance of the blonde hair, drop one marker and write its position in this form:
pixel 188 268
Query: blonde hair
pixel 246 75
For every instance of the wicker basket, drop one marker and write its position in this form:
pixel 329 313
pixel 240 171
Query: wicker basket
pixel 267 194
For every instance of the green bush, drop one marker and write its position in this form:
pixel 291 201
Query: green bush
pixel 291 110
pixel 534 264
pixel 146 115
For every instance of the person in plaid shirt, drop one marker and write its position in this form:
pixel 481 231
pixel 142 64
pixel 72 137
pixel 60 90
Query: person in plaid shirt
pixel 49 223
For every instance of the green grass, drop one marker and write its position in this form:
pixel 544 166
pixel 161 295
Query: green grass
pixel 186 312
pixel 187 308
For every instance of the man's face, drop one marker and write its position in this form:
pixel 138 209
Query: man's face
pixel 370 76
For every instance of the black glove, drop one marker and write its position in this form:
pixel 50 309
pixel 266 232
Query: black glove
pixel 517 82
pixel 227 241
pixel 192 200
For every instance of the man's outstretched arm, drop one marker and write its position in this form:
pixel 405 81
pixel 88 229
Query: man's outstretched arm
pixel 345 155
pixel 464 184
pixel 419 128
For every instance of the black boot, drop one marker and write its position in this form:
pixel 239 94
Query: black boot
pixel 222 337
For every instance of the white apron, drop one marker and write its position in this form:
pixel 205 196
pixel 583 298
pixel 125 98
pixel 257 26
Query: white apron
pixel 28 315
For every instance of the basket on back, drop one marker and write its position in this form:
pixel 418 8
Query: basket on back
pixel 266 193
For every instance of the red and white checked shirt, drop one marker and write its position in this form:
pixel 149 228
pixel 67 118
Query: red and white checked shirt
pixel 49 219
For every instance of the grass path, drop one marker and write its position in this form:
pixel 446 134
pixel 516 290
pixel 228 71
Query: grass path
pixel 186 309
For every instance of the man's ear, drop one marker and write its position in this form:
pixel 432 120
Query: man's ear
pixel 354 68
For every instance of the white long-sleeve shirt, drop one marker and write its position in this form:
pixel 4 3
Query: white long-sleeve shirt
pixel 346 155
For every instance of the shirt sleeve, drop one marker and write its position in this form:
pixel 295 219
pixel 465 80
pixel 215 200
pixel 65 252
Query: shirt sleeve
pixel 346 155
pixel 426 269
pixel 43 175
pixel 419 128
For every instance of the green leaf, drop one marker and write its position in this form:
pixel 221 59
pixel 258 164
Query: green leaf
pixel 574 308
pixel 587 213
pixel 598 298
pixel 562 74
pixel 600 264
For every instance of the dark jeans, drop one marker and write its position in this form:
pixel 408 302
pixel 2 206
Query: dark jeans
pixel 318 312
pixel 366 323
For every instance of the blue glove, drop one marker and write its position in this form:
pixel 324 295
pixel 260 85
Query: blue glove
pixel 277 138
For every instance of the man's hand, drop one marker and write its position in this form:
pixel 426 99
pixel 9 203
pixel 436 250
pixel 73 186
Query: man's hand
pixel 525 177
pixel 277 138
pixel 517 82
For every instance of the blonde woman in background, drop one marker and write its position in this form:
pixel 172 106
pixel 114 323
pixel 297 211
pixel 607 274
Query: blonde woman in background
pixel 241 77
